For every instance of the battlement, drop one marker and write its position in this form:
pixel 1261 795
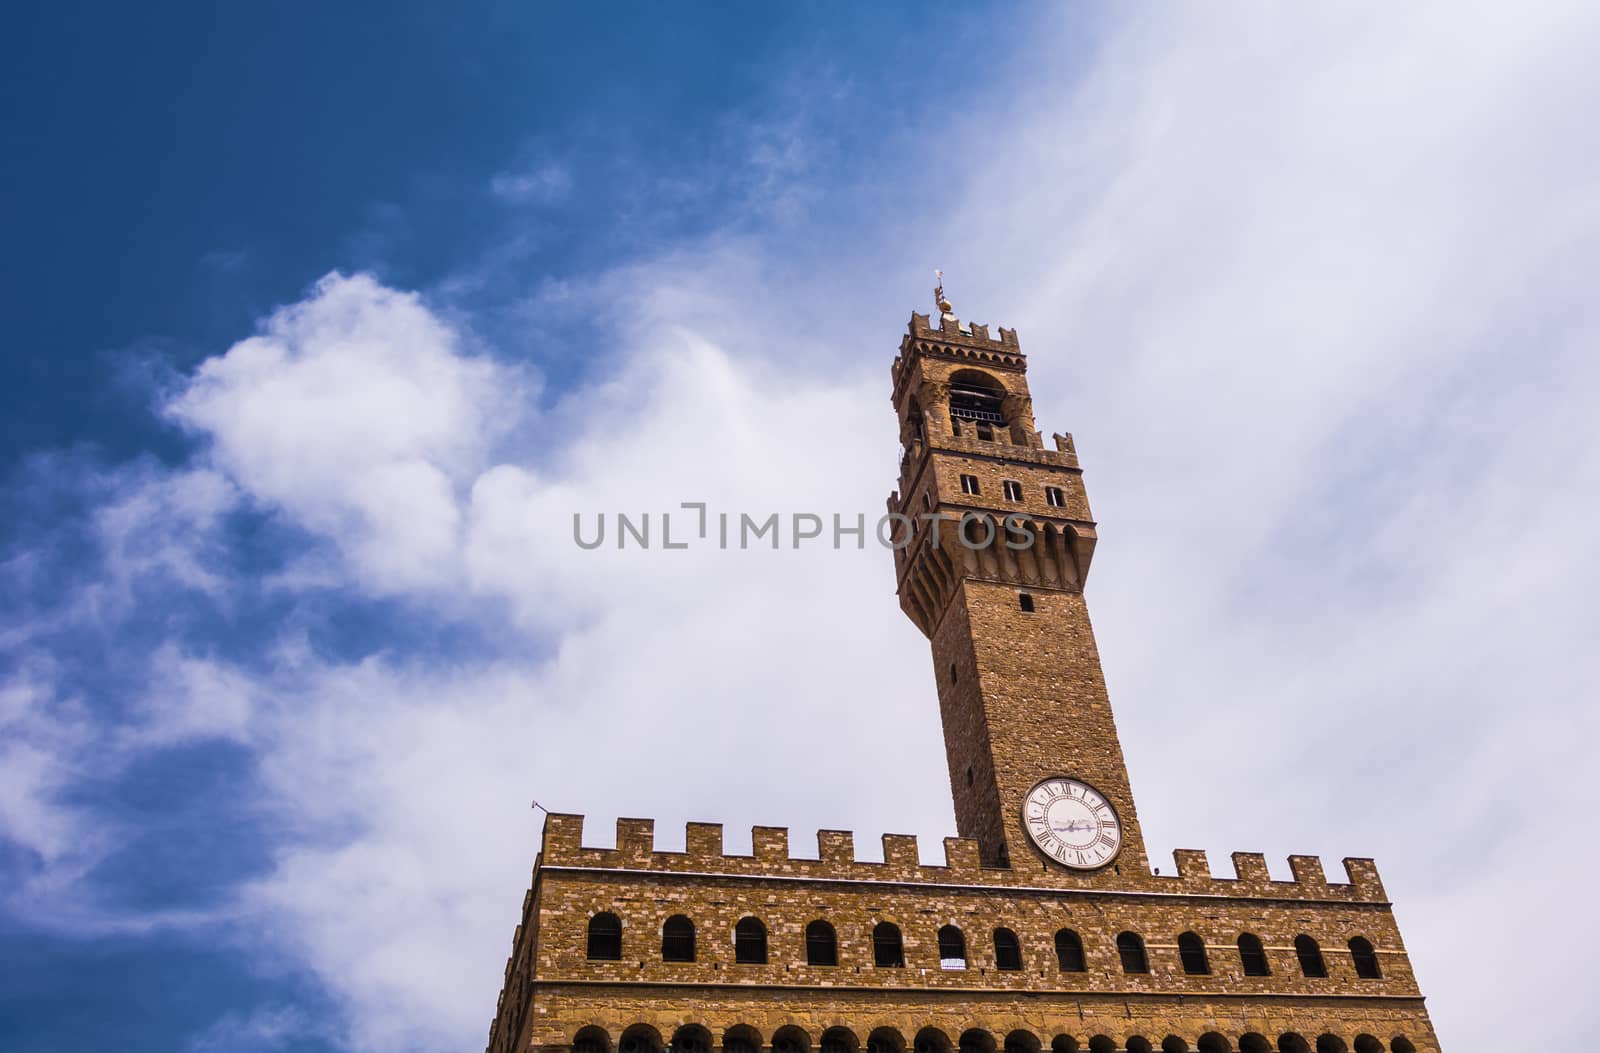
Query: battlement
pixel 950 339
pixel 951 329
pixel 835 860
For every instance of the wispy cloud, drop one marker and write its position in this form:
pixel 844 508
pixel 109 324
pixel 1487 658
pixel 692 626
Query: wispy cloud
pixel 542 183
pixel 257 1031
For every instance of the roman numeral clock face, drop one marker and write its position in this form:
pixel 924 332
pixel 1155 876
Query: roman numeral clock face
pixel 1072 823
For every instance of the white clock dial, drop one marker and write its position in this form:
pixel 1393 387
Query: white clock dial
pixel 1072 823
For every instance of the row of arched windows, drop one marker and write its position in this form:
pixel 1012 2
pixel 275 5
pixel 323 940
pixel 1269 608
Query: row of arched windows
pixel 692 1038
pixel 888 949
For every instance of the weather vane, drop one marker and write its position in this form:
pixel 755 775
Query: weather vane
pixel 938 293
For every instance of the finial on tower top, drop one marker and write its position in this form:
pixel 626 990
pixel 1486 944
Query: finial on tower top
pixel 938 295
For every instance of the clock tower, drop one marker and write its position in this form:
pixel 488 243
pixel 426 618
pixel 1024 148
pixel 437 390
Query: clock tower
pixel 1042 929
pixel 991 565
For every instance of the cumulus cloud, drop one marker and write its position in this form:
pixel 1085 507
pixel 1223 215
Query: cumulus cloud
pixel 357 414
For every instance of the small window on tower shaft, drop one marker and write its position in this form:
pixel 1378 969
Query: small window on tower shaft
pixel 952 672
pixel 985 433
pixel 969 775
pixel 969 484
pixel 1025 601
pixel 1013 490
pixel 1054 497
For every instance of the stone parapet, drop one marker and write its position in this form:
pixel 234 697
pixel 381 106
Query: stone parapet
pixel 836 861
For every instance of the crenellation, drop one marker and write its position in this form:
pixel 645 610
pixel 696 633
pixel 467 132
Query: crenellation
pixel 961 855
pixel 900 854
pixel 1307 870
pixel 1192 866
pixel 837 847
pixel 703 842
pixel 563 836
pixel 1364 879
pixel 770 844
pixel 770 857
pixel 636 840
pixel 1251 868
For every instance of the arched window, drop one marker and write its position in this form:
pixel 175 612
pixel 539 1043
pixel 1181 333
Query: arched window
pixel 640 1038
pixel 790 1039
pixel 1131 948
pixel 591 1040
pixel 1366 959
pixel 978 397
pixel 975 1040
pixel 822 948
pixel 1401 1044
pixel 1330 1043
pixel 952 948
pixel 1211 1042
pixel 885 1040
pixel 605 938
pixel 741 1038
pixel 1310 955
pixel 677 939
pixel 887 951
pixel 750 942
pixel 1192 951
pixel 1252 955
pixel 1021 1042
pixel 931 1040
pixel 1292 1042
pixel 1368 1044
pixel 837 1040
pixel 1174 1044
pixel 1007 951
pixel 1250 1042
pixel 1069 952
pixel 691 1039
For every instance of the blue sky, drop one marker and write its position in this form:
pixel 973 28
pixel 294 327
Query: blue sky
pixel 196 168
pixel 322 323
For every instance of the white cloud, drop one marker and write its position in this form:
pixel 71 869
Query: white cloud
pixel 191 698
pixel 46 745
pixel 358 414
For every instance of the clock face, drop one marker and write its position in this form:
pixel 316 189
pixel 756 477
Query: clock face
pixel 1072 823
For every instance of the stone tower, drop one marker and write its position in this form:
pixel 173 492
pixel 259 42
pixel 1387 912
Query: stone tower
pixel 1043 928
pixel 993 576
